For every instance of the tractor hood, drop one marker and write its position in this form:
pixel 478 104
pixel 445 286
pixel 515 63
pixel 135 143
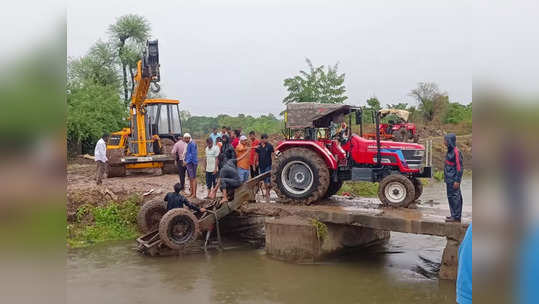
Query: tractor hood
pixel 314 115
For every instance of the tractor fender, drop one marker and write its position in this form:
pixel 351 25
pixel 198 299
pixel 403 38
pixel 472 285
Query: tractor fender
pixel 315 146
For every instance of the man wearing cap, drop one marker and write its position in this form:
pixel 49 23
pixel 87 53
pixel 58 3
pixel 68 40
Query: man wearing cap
pixel 191 163
pixel 179 154
pixel 244 162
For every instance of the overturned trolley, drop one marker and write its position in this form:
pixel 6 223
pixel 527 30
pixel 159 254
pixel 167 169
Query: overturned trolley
pixel 180 230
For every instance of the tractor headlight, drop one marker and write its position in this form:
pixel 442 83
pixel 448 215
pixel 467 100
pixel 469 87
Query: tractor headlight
pixel 419 153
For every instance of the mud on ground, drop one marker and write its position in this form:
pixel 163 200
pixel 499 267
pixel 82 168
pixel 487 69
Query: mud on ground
pixel 82 189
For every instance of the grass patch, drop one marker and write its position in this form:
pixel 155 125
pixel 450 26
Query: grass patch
pixel 321 229
pixel 364 189
pixel 94 224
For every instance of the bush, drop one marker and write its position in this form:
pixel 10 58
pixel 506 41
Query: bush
pixel 115 221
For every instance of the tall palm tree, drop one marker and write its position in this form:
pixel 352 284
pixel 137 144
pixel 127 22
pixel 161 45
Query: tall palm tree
pixel 128 28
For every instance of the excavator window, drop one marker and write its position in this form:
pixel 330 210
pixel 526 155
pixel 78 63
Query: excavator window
pixel 163 119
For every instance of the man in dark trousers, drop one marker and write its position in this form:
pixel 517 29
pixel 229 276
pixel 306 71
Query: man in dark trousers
pixel 265 152
pixel 453 175
pixel 228 181
pixel 176 200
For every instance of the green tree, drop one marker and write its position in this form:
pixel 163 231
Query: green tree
pixel 432 103
pixel 130 33
pixel 97 66
pixel 398 106
pixel 374 104
pixel 91 110
pixel 316 85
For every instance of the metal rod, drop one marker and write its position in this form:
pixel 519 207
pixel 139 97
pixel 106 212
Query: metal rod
pixel 378 145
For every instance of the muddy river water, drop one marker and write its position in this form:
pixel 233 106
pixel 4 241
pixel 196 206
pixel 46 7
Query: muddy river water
pixel 403 270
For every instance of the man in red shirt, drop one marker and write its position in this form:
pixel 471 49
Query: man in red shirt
pixel 235 138
pixel 253 156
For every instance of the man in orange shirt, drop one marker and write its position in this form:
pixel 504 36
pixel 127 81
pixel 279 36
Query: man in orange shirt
pixel 253 155
pixel 242 152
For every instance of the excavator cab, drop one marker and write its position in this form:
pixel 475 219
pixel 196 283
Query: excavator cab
pixel 163 118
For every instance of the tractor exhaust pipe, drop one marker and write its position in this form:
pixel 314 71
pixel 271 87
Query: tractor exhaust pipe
pixel 378 145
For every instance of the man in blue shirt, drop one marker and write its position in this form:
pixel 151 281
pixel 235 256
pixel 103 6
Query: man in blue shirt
pixel 191 163
pixel 464 275
pixel 214 135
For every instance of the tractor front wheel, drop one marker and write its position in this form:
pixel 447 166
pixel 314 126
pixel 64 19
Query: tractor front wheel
pixel 178 227
pixel 300 175
pixel 396 190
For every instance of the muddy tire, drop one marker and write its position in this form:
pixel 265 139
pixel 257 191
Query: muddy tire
pixel 396 190
pixel 178 227
pixel 115 171
pixel 150 215
pixel 400 135
pixel 333 188
pixel 418 187
pixel 300 175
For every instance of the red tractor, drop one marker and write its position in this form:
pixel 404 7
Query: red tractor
pixel 314 166
pixel 396 129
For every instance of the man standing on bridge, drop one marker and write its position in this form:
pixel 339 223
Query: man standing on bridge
pixel 453 177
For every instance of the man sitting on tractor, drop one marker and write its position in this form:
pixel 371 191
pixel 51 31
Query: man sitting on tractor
pixel 176 200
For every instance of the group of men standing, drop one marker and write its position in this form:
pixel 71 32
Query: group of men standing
pixel 239 156
pixel 185 151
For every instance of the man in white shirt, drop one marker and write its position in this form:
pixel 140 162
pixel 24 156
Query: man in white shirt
pixel 100 154
pixel 212 152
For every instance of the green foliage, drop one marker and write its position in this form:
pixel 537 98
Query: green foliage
pixel 438 175
pixel 432 103
pixel 130 33
pixel 321 229
pixel 364 189
pixel 201 126
pixel 374 104
pixel 398 106
pixel 457 112
pixel 316 85
pixel 91 110
pixel 98 66
pixel 115 221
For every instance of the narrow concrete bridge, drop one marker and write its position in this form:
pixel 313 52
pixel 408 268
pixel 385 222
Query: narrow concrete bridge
pixel 290 233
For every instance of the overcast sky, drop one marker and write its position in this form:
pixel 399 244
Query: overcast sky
pixel 232 58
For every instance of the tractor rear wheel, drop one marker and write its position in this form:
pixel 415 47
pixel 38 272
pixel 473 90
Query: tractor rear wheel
pixel 115 171
pixel 333 188
pixel 150 214
pixel 418 187
pixel 115 167
pixel 300 175
pixel 178 227
pixel 396 190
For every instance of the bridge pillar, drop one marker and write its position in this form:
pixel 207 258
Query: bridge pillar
pixel 449 266
pixel 300 239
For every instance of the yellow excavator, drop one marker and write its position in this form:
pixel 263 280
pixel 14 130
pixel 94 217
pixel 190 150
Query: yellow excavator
pixel 154 124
